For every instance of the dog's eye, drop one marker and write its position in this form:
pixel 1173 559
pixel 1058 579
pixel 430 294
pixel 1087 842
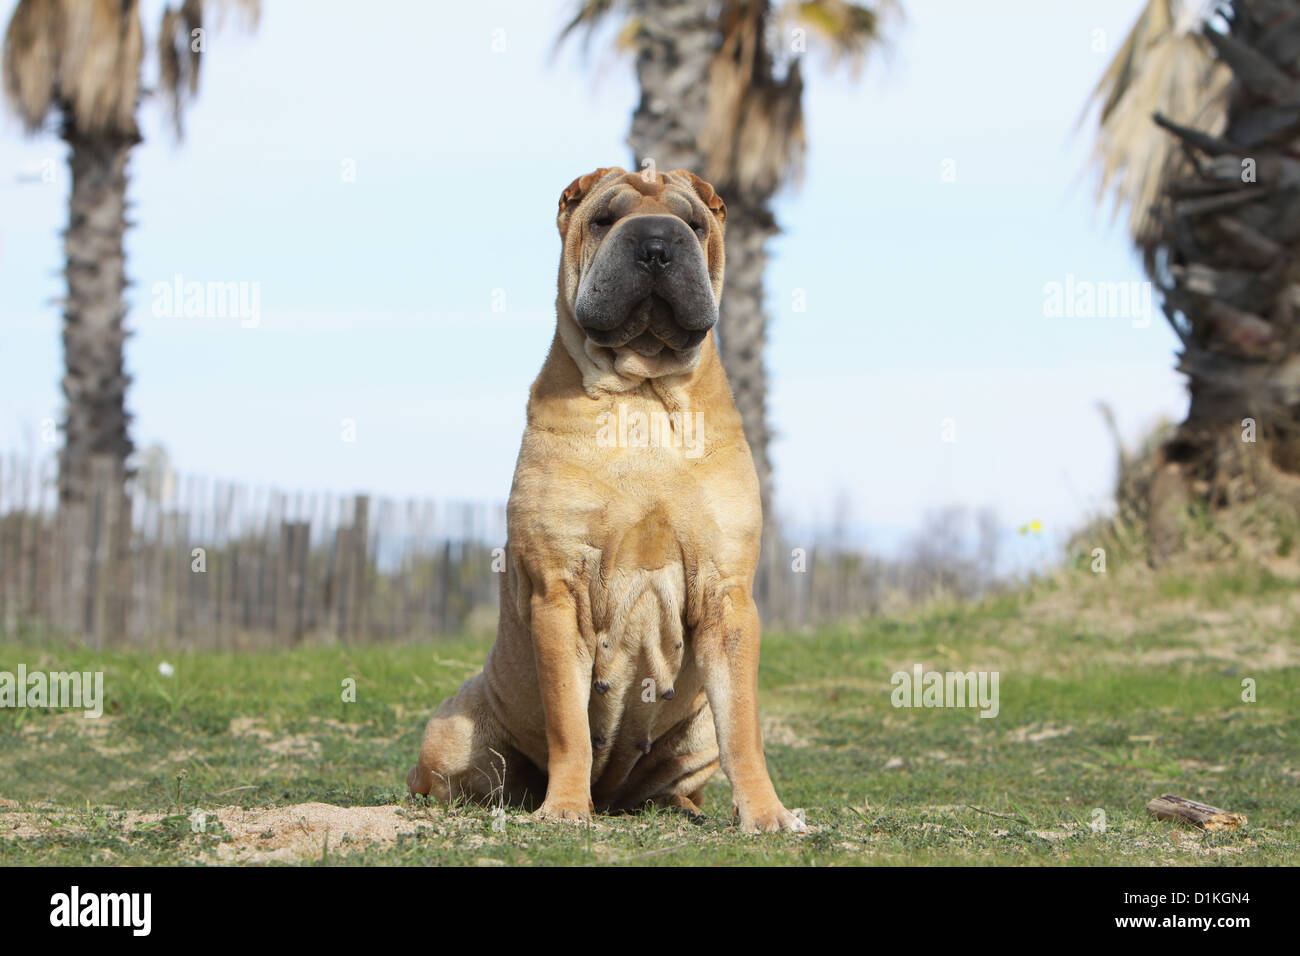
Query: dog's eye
pixel 699 227
pixel 604 221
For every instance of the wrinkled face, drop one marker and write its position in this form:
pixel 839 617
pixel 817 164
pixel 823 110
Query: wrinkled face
pixel 641 272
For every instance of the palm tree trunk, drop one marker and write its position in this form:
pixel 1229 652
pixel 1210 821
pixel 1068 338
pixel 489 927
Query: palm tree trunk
pixel 742 345
pixel 676 41
pixel 95 381
pixel 1229 276
pixel 742 331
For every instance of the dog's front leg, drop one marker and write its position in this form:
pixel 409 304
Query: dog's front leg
pixel 564 678
pixel 727 651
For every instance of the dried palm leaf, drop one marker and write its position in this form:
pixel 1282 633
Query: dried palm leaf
pixel 586 19
pixel 754 134
pixel 1164 66
pixel 181 47
pixel 82 56
pixel 849 31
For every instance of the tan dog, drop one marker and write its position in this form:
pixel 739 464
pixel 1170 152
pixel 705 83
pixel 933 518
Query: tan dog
pixel 626 661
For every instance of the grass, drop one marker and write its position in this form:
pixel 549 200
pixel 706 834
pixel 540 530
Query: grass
pixel 1113 689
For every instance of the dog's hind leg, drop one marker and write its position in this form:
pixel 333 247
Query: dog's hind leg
pixel 465 755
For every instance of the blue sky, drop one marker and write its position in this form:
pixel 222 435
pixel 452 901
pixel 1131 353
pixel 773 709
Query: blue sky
pixel 925 291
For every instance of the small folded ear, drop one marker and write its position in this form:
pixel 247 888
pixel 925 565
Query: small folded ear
pixel 576 191
pixel 707 193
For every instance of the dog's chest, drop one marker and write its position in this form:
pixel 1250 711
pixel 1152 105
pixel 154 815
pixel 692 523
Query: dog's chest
pixel 636 585
pixel 643 679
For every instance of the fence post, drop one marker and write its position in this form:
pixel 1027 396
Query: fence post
pixel 359 534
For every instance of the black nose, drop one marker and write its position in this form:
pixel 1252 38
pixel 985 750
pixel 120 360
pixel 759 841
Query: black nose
pixel 656 254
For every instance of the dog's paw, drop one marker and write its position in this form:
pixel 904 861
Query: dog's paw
pixel 419 781
pixel 771 819
pixel 555 810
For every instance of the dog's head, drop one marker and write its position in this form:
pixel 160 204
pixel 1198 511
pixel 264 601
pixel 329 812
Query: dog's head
pixel 641 272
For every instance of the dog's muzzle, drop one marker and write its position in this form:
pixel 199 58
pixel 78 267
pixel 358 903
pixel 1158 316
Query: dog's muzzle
pixel 647 287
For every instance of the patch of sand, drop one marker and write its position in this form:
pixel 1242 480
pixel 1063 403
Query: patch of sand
pixel 778 731
pixel 307 831
pixel 292 745
pixel 304 831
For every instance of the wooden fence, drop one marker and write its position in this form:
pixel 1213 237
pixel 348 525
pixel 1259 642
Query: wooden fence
pixel 221 565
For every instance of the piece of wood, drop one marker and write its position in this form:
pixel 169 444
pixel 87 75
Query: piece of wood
pixel 1170 807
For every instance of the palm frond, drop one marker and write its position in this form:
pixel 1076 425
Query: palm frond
pixel 180 52
pixel 588 16
pixel 1164 66
pixel 754 134
pixel 31 60
pixel 849 31
pixel 80 55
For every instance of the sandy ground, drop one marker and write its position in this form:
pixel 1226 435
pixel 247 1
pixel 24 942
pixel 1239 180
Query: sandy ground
pixel 304 831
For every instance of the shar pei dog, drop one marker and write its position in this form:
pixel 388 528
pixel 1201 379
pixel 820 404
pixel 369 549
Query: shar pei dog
pixel 625 668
